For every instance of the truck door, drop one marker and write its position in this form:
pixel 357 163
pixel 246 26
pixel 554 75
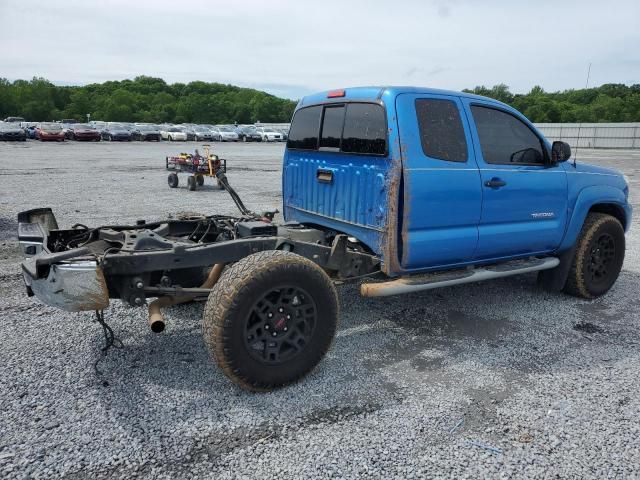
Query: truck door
pixel 524 197
pixel 442 193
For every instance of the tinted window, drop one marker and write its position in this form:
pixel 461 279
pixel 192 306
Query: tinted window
pixel 365 129
pixel 506 139
pixel 441 131
pixel 304 129
pixel 332 127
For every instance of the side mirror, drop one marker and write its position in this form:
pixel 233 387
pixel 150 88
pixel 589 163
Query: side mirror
pixel 560 151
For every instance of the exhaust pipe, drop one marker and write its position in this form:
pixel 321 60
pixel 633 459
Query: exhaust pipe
pixel 156 319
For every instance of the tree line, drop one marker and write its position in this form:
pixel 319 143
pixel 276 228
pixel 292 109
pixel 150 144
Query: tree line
pixel 152 100
pixel 143 99
pixel 611 102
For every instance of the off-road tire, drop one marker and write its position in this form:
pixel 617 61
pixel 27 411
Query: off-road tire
pixel 191 183
pixel 200 180
pixel 580 282
pixel 230 304
pixel 173 180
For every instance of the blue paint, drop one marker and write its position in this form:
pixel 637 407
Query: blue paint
pixel 447 217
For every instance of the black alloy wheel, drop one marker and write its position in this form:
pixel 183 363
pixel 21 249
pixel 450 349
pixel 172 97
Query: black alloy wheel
pixel 280 325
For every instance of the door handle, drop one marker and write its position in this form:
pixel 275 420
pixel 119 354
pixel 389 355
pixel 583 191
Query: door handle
pixel 324 176
pixel 495 182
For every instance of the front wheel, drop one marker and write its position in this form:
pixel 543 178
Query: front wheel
pixel 199 180
pixel 270 319
pixel 598 258
pixel 191 183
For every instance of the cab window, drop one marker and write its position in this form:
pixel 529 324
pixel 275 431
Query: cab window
pixel 365 129
pixel 331 133
pixel 505 139
pixel 441 131
pixel 303 133
pixel 359 128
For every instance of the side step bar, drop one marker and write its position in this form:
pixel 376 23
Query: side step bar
pixel 430 281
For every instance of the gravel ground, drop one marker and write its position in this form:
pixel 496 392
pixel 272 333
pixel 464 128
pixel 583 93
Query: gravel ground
pixel 494 379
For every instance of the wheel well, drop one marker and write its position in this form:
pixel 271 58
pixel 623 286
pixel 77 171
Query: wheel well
pixel 610 209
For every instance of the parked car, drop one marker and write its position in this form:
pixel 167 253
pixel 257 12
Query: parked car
pixel 249 134
pixel 226 134
pixel 284 132
pixel 50 132
pixel 116 132
pixel 215 132
pixel 146 133
pixel 30 130
pixel 83 133
pixel 14 119
pixel 173 134
pixel 12 132
pixel 66 129
pixel 269 134
pixel 189 131
pixel 203 133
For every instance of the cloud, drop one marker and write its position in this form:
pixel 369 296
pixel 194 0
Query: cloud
pixel 293 47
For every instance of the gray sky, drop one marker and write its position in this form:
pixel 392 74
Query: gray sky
pixel 293 47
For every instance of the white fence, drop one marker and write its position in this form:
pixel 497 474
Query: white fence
pixel 593 135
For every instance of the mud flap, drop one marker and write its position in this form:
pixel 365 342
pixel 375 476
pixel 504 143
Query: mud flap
pixel 553 280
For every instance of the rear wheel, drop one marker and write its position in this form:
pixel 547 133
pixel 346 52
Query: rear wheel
pixel 598 258
pixel 191 183
pixel 199 180
pixel 173 180
pixel 270 319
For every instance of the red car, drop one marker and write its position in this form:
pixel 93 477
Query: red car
pixel 83 132
pixel 50 132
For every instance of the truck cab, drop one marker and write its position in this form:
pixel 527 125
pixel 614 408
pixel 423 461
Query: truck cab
pixel 431 180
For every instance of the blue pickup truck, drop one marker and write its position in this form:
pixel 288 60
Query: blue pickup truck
pixel 407 188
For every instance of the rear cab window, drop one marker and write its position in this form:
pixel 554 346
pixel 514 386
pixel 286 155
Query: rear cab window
pixel 441 131
pixel 355 128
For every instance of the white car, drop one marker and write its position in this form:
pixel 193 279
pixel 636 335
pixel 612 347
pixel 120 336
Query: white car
pixel 269 135
pixel 226 134
pixel 173 134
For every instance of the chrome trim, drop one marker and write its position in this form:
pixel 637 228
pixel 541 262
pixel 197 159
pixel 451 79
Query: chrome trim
pixel 73 287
